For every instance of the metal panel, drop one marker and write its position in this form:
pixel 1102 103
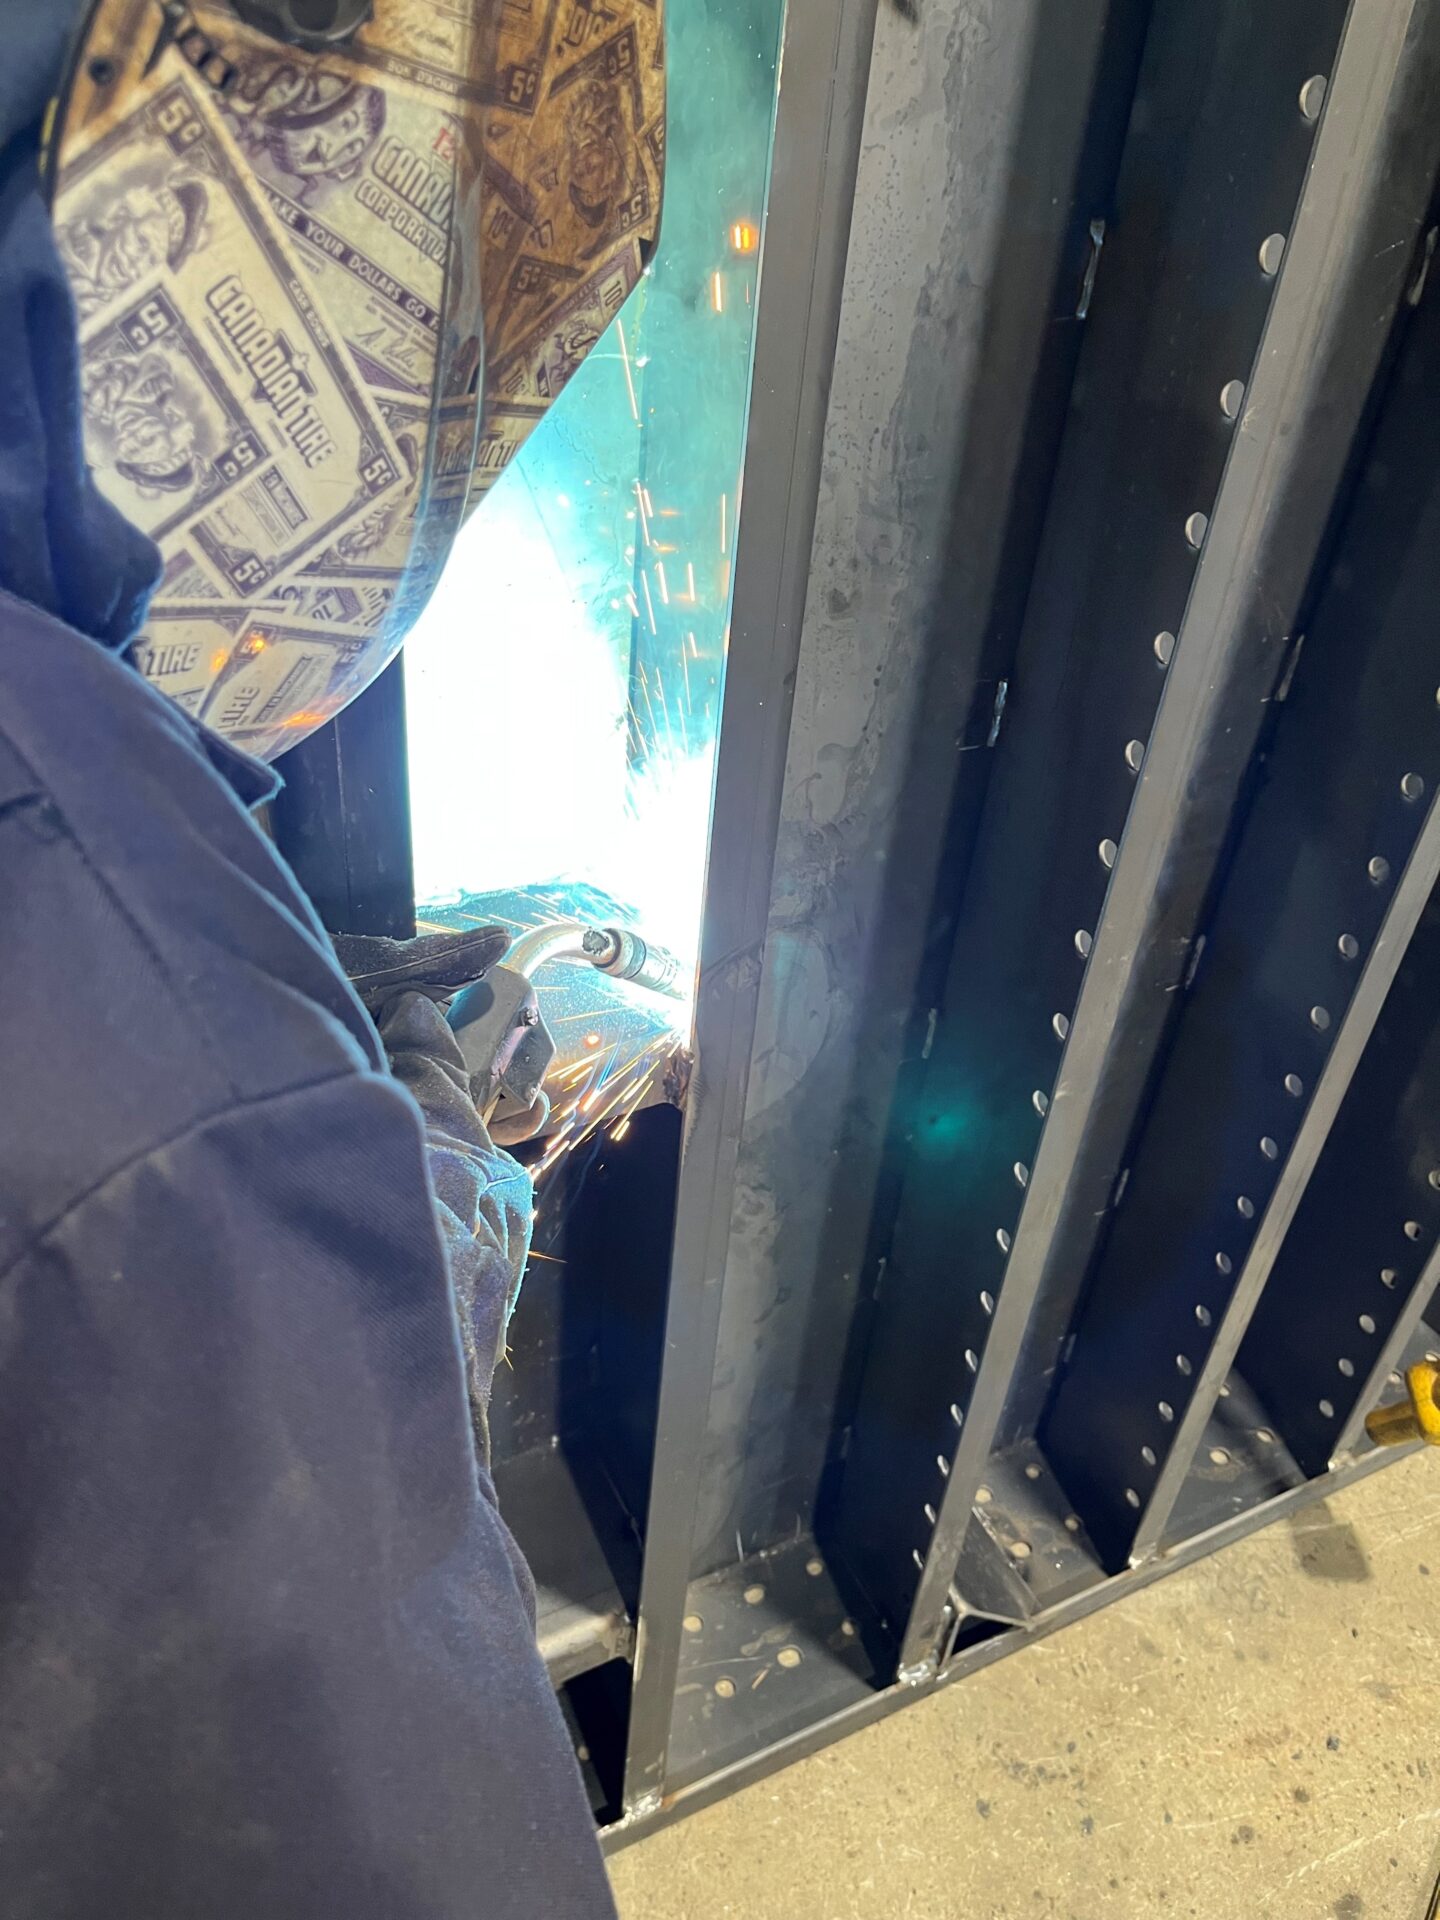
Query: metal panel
pixel 1217 151
pixel 992 132
pixel 1295 969
pixel 821 105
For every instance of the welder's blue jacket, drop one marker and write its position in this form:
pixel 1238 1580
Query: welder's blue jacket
pixel 265 1644
pixel 264 1640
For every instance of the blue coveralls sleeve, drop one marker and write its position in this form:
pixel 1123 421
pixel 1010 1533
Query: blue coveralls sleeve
pixel 264 1640
pixel 484 1202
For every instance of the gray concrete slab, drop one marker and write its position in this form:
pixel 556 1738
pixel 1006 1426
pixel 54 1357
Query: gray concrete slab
pixel 1253 1737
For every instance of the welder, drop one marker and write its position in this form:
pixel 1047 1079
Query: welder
pixel 266 1646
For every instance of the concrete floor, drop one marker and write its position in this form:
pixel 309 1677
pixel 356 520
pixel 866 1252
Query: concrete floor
pixel 1251 1739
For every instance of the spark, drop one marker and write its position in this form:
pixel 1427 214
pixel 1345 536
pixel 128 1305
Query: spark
pixel 644 512
pixel 661 582
pixel 649 603
pixel 690 582
pixel 717 292
pixel 629 382
pixel 724 523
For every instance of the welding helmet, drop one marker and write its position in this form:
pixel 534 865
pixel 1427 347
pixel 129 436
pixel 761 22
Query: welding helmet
pixel 332 261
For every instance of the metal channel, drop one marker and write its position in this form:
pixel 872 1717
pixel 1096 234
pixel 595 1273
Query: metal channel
pixel 1382 1381
pixel 825 70
pixel 1214 162
pixel 1301 948
pixel 1362 1260
pixel 1355 1030
pixel 1295 429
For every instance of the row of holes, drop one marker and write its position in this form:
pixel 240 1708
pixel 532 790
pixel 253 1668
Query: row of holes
pixel 1412 787
pixel 1271 254
pixel 1232 397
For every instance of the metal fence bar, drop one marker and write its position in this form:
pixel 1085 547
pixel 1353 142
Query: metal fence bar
pixel 1348 259
pixel 825 69
pixel 1401 920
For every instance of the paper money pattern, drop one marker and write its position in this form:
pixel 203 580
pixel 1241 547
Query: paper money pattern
pixel 354 158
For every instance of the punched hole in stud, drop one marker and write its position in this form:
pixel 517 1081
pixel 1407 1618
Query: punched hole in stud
pixel 1032 1472
pixel 1041 1102
pixel 1265 1436
pixel 1232 396
pixel 1412 1229
pixel 1388 1276
pixel 1164 646
pixel 1312 96
pixel 725 1688
pixel 1272 252
pixel 1196 526
pixel 1269 1148
pixel 753 1596
pixel 1107 851
pixel 1084 941
pixel 788 1657
pixel 692 1623
pixel 1132 1498
pixel 1182 1365
pixel 814 1568
pixel 1022 1173
pixel 1347 1367
pixel 1245 1206
pixel 1379 869
pixel 1061 1025
pixel 1366 1323
pixel 1020 1549
pixel 983 1496
pixel 944 1466
pixel 930 1513
pixel 1147 1454
pixel 1412 786
pixel 1002 1240
pixel 1349 947
pixel 1326 1409
pixel 972 1359
pixel 987 1302
pixel 1219 1457
pixel 1165 1410
pixel 957 1413
pixel 1434 1178
pixel 1224 1263
pixel 1320 1019
pixel 1203 1316
pixel 1072 1523
pixel 1134 754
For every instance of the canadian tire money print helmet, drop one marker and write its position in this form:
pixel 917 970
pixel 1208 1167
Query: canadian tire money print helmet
pixel 328 278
